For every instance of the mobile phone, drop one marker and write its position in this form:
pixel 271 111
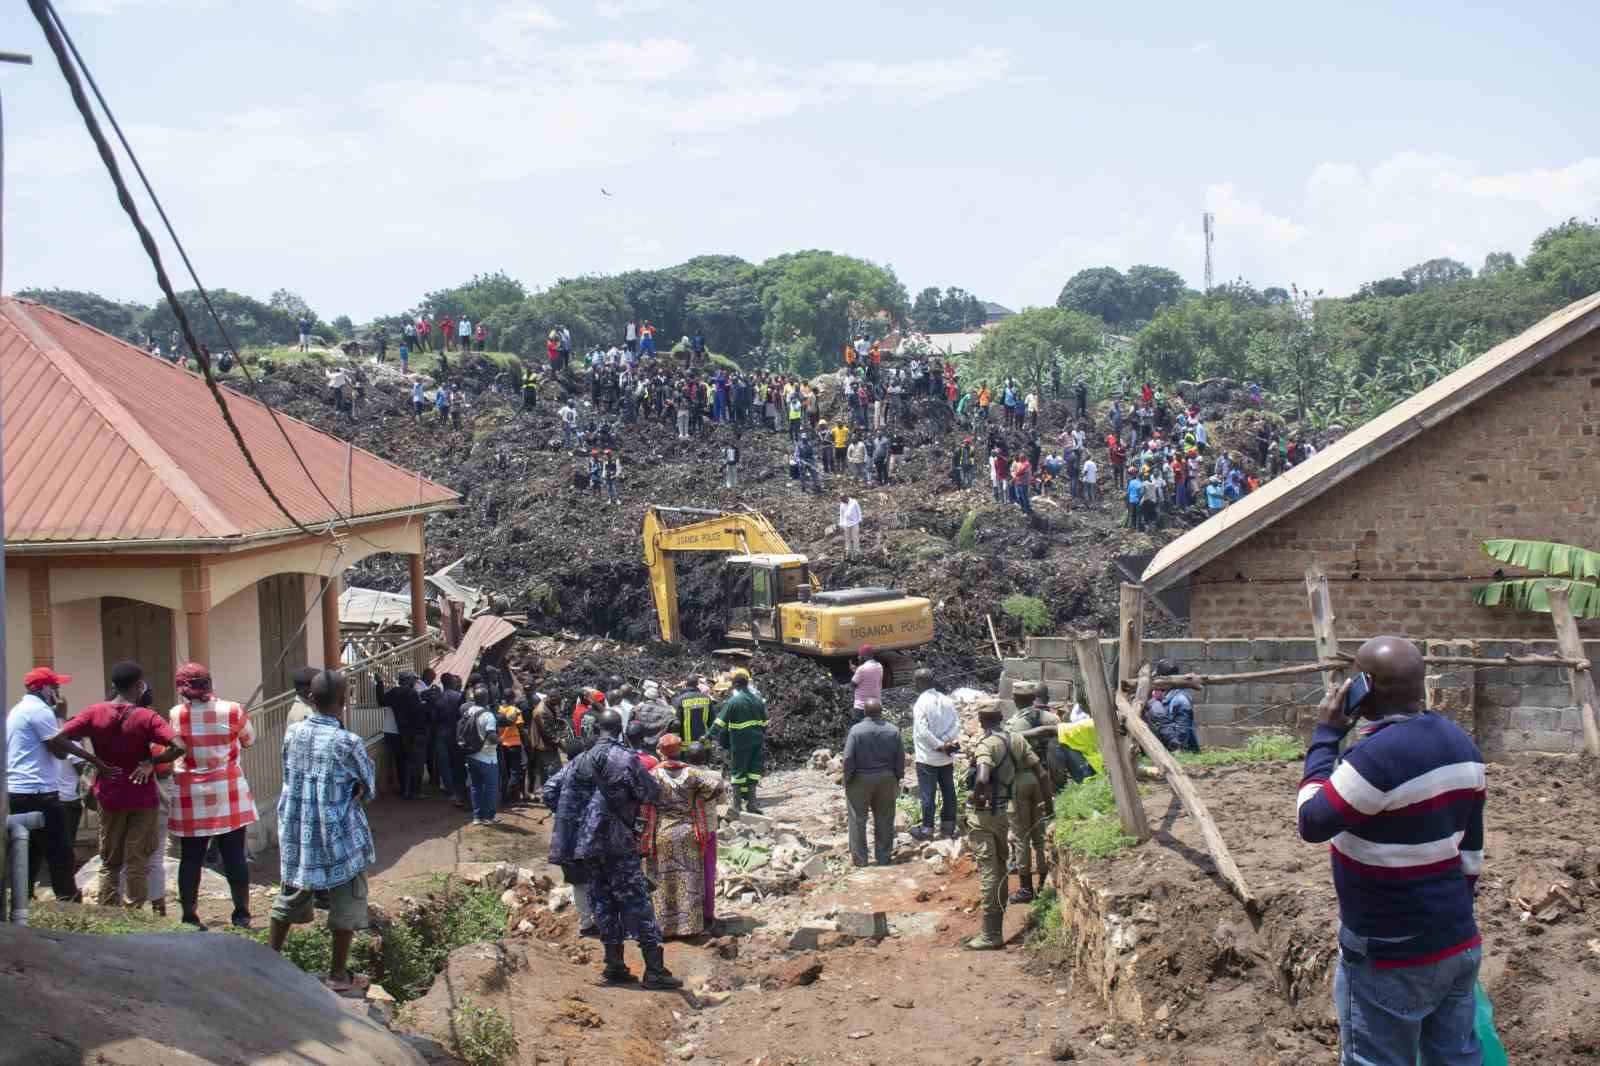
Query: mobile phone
pixel 1359 692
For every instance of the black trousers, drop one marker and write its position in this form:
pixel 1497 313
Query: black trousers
pixel 50 844
pixel 416 750
pixel 235 864
pixel 397 754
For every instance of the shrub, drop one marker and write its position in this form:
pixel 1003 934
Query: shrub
pixel 1265 746
pixel 1086 820
pixel 967 537
pixel 1049 928
pixel 1028 610
pixel 481 1035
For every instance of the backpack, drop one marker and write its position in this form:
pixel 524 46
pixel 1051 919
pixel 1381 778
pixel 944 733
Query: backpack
pixel 470 738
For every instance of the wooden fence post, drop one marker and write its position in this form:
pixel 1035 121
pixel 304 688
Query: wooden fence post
pixel 1582 681
pixel 1322 623
pixel 1119 769
pixel 1130 642
pixel 1186 793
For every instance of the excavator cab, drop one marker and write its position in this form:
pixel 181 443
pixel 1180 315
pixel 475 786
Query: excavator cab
pixel 753 588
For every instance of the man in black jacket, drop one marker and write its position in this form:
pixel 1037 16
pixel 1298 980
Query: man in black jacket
pixel 404 698
pixel 447 753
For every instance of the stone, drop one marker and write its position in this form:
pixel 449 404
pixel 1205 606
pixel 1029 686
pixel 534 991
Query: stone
pixel 755 821
pixel 832 940
pixel 864 924
pixel 796 973
pixel 903 1003
pixel 1545 893
pixel 737 925
pixel 820 758
pixel 560 898
pixel 379 994
pixel 525 926
pixel 706 997
pixel 814 868
pixel 1061 1050
pixel 511 898
pixel 805 938
pixel 487 874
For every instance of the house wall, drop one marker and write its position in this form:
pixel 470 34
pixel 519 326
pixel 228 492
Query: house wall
pixel 1522 462
pixel 19 633
pixel 236 645
pixel 1509 711
pixel 80 651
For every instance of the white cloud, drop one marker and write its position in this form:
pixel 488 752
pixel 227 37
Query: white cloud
pixel 653 59
pixel 519 31
pixel 1200 48
pixel 622 9
pixel 925 77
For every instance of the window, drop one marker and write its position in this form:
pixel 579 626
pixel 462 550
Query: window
pixel 760 587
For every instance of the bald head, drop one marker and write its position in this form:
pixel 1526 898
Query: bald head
pixel 1397 671
pixel 609 722
pixel 922 679
pixel 872 708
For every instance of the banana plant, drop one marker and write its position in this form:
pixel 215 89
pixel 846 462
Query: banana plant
pixel 1562 566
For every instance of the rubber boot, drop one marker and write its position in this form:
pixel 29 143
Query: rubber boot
pixel 616 971
pixel 1024 892
pixel 992 938
pixel 735 803
pixel 656 975
pixel 750 803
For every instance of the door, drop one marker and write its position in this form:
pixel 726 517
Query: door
pixel 763 603
pixel 141 632
pixel 281 600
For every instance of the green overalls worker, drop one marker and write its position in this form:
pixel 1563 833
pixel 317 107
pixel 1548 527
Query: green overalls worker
pixel 530 388
pixel 1035 723
pixel 1000 757
pixel 741 726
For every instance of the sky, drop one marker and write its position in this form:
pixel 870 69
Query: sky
pixel 364 153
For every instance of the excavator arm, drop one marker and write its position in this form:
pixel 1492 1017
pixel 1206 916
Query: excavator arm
pixel 729 532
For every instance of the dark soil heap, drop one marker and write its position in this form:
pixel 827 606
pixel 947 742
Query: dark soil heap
pixel 544 547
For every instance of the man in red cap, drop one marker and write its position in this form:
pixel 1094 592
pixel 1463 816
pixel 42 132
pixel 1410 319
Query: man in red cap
pixel 33 744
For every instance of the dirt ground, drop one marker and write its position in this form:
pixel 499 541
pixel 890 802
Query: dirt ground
pixel 1259 989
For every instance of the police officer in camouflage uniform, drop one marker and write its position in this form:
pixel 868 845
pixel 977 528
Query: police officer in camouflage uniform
pixel 1035 723
pixel 596 799
pixel 1000 757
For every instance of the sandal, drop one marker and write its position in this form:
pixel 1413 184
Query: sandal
pixel 359 982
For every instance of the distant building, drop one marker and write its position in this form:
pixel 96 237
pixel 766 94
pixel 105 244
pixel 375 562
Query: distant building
pixel 994 314
pixel 135 530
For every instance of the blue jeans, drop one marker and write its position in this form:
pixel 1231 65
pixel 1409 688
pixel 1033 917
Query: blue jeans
pixel 483 779
pixel 1407 1016
pixel 441 764
pixel 942 779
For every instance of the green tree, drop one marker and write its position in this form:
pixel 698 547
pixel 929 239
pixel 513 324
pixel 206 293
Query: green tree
pixel 1441 271
pixel 1497 263
pixel 1565 260
pixel 927 313
pixel 1101 292
pixel 1384 287
pixel 251 323
pixel 591 308
pixel 812 301
pixel 1149 289
pixel 290 303
pixel 1024 345
pixel 477 299
pixel 953 311
pixel 1204 337
pixel 1289 350
pixel 117 319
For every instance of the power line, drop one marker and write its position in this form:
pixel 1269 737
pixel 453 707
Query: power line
pixel 60 43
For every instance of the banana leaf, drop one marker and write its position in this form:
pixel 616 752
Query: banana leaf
pixel 1559 560
pixel 1532 594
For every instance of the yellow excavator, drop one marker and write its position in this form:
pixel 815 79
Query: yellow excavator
pixel 770 595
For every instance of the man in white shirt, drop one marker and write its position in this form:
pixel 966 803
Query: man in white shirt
pixel 850 525
pixel 569 424
pixel 934 732
pixel 1091 474
pixel 33 744
pixel 464 333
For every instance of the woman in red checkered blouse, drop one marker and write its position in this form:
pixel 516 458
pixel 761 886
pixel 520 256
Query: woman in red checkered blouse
pixel 213 801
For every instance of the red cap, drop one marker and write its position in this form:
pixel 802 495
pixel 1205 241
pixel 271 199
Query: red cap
pixel 597 697
pixel 40 676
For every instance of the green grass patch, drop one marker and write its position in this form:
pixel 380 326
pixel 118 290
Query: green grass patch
pixel 421 362
pixel 1029 610
pixel 1049 930
pixel 1086 820
pixel 967 535
pixel 107 921
pixel 481 1035
pixel 1263 747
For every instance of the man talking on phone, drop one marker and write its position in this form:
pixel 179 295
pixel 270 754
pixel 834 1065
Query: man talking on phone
pixel 1402 813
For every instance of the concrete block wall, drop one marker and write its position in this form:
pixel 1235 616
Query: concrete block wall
pixel 1512 711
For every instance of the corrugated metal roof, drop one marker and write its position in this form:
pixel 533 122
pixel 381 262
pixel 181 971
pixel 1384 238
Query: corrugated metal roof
pixel 1371 441
pixel 484 633
pixel 106 443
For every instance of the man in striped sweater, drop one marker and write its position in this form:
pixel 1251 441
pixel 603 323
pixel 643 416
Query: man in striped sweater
pixel 1402 813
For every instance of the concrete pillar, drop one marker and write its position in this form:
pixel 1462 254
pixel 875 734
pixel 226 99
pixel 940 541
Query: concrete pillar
pixel 199 626
pixel 330 622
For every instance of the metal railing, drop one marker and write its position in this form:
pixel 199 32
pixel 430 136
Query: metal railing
pixel 263 761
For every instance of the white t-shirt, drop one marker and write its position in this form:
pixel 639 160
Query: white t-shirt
pixel 67 779
pixel 933 722
pixel 869 681
pixel 465 329
pixel 849 513
pixel 1090 472
pixel 30 768
pixel 490 752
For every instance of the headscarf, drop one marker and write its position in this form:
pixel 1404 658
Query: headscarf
pixel 669 745
pixel 194 682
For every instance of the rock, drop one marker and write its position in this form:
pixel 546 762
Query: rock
pixel 511 898
pixel 487 874
pixel 758 822
pixel 560 898
pixel 859 1034
pixel 1061 1050
pixel 1107 1041
pixel 525 926
pixel 903 1003
pixel 805 938
pixel 737 925
pixel 864 924
pixel 820 759
pixel 707 997
pixel 1545 893
pixel 814 868
pixel 797 972
pixel 836 766
pixel 379 994
pixel 831 940
pixel 686 1052
pixel 723 947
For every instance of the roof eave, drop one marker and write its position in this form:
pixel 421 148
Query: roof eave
pixel 206 545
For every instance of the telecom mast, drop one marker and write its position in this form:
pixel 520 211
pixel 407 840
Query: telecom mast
pixel 1208 222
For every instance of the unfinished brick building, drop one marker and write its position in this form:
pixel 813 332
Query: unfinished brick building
pixel 1395 512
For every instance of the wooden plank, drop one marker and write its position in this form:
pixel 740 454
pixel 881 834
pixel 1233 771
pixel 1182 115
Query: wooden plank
pixel 1322 622
pixel 994 639
pixel 1582 681
pixel 1130 643
pixel 1124 787
pixel 1189 795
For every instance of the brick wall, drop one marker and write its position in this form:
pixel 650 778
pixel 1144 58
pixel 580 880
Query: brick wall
pixel 1509 711
pixel 1523 462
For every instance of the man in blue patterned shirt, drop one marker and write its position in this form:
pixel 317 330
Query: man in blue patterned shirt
pixel 324 842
